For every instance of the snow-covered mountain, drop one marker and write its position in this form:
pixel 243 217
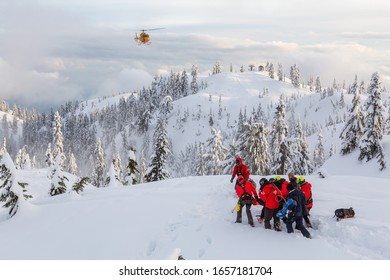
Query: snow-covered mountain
pixel 192 215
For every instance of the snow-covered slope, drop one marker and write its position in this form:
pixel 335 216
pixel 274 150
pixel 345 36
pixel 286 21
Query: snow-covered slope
pixel 192 216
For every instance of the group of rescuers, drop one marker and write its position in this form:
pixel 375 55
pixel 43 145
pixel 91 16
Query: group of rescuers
pixel 289 201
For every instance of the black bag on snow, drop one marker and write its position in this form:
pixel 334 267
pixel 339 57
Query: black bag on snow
pixel 343 213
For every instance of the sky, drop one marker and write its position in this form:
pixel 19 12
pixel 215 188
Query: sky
pixel 57 51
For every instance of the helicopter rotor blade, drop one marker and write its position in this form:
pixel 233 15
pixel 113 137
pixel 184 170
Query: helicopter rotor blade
pixel 152 29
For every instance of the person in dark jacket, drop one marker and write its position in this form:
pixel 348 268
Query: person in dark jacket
pixel 294 210
pixel 305 187
pixel 246 193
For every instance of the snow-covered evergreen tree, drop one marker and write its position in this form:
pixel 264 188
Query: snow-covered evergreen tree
pixel 3 148
pixel 295 75
pixel 72 164
pixel 79 186
pixel 300 154
pixel 131 169
pixel 200 165
pixel 387 124
pixel 279 142
pixel 215 154
pixel 184 83
pixel 353 128
pixel 257 148
pixel 318 87
pixel 12 192
pixel 49 156
pixel 157 168
pixel 217 68
pixel 194 87
pixel 319 151
pixel 58 139
pixel 142 166
pixel 100 166
pixel 280 72
pixel 58 185
pixel 271 71
pixel 370 144
pixel 112 179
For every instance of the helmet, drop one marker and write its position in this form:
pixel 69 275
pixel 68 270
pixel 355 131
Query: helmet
pixel 300 180
pixel 240 179
pixel 262 181
pixel 271 180
pixel 277 178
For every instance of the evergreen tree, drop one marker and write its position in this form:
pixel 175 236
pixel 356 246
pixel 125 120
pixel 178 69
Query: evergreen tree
pixel 72 164
pixel 280 72
pixel 319 152
pixel 100 166
pixel 117 163
pixel 3 148
pixel 279 141
pixel 387 124
pixel 318 88
pixel 217 68
pixel 112 179
pixel 12 192
pixel 131 169
pixel 194 87
pixel 300 154
pixel 58 139
pixel 142 167
pixel 353 129
pixel 295 75
pixel 49 156
pixel 255 146
pixel 79 186
pixel 271 71
pixel 370 144
pixel 200 165
pixel 58 185
pixel 216 153
pixel 184 83
pixel 311 84
pixel 22 160
pixel 157 169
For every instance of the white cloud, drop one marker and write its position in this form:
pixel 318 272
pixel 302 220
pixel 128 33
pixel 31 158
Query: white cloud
pixel 127 80
pixel 88 48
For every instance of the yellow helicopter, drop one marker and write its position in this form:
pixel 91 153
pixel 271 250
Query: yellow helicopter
pixel 144 37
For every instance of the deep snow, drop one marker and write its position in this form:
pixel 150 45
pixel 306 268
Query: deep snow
pixel 193 217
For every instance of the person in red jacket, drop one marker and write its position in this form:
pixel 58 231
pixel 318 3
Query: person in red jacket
pixel 281 183
pixel 271 195
pixel 306 189
pixel 240 169
pixel 246 193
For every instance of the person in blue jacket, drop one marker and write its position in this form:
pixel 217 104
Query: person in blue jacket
pixel 294 210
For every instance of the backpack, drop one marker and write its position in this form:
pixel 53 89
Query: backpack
pixel 343 213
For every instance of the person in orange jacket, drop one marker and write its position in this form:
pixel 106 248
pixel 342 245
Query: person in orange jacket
pixel 271 195
pixel 306 189
pixel 240 169
pixel 246 193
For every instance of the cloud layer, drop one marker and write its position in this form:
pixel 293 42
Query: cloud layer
pixel 57 51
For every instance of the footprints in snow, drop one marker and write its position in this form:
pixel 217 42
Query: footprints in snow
pixel 176 234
